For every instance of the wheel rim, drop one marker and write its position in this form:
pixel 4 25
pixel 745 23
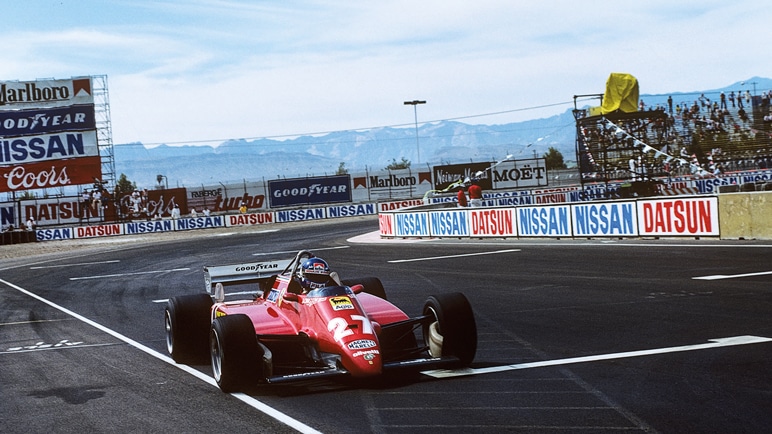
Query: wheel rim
pixel 169 333
pixel 427 327
pixel 216 356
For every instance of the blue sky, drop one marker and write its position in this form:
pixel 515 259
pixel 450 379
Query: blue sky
pixel 198 70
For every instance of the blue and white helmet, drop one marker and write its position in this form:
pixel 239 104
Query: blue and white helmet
pixel 315 273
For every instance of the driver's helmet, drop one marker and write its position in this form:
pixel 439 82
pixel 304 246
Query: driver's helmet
pixel 314 273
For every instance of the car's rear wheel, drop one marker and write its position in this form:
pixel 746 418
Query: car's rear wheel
pixel 236 356
pixel 372 285
pixel 186 320
pixel 453 332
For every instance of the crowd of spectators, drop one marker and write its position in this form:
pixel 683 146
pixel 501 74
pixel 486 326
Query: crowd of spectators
pixel 700 137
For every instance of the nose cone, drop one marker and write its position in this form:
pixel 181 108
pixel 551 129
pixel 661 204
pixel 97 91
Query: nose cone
pixel 362 357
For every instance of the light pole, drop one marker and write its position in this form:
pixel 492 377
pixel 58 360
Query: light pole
pixel 415 103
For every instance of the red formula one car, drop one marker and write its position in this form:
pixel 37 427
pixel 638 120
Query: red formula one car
pixel 285 334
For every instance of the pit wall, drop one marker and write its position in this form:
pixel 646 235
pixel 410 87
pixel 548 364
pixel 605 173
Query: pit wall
pixel 727 216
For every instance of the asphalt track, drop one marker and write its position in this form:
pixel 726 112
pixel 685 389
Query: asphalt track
pixel 575 336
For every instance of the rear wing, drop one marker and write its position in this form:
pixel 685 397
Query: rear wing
pixel 236 274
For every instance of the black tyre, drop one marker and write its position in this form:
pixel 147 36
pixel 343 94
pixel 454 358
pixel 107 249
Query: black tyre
pixel 454 327
pixel 372 285
pixel 186 320
pixel 237 359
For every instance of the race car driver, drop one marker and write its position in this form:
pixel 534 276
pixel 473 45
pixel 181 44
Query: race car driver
pixel 314 273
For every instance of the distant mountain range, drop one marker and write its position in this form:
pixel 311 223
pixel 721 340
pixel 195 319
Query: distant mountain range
pixel 438 142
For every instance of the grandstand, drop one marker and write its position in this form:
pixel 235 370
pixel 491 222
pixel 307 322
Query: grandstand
pixel 699 135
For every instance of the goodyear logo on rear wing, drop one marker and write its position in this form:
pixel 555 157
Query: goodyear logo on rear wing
pixel 242 273
pixel 341 303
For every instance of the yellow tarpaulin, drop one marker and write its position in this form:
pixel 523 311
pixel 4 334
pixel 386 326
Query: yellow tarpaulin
pixel 621 93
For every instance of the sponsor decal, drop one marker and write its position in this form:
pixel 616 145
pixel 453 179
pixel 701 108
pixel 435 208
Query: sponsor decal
pixel 391 206
pixel 46 92
pixel 148 227
pixel 200 223
pixel 367 354
pixel 309 191
pixel 520 173
pixel 341 303
pixel 53 234
pixel 411 224
pixel 47 147
pixel 39 121
pixel 350 210
pixel 50 174
pixel 688 216
pixel 386 224
pixel 98 231
pixel 361 344
pixel 492 222
pixel 544 221
pixel 597 219
pixel 449 223
pixel 448 174
pixel 273 295
pixel 250 219
pixel 300 215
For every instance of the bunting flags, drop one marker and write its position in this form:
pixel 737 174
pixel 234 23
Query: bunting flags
pixel 621 133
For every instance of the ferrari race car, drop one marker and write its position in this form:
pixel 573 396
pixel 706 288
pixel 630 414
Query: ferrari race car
pixel 285 334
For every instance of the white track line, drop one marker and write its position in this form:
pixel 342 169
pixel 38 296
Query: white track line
pixel 714 343
pixel 731 276
pixel 40 267
pixel 252 402
pixel 432 258
pixel 102 276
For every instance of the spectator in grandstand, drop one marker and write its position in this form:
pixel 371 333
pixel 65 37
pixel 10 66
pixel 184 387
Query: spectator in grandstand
pixel 723 100
pixel 206 212
pixel 731 98
pixel 31 224
pixel 193 213
pixel 743 115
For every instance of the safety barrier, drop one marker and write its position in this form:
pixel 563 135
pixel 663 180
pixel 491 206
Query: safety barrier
pixel 735 215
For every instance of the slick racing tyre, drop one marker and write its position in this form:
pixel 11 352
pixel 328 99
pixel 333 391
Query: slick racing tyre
pixel 453 332
pixel 187 328
pixel 372 285
pixel 236 356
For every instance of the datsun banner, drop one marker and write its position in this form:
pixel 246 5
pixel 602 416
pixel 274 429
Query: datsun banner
pixel 386 225
pixel 493 222
pixel 694 216
pixel 309 191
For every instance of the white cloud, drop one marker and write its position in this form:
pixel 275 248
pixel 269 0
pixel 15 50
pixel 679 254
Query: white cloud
pixel 210 69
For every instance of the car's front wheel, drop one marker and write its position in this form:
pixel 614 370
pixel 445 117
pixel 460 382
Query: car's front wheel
pixel 236 356
pixel 453 330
